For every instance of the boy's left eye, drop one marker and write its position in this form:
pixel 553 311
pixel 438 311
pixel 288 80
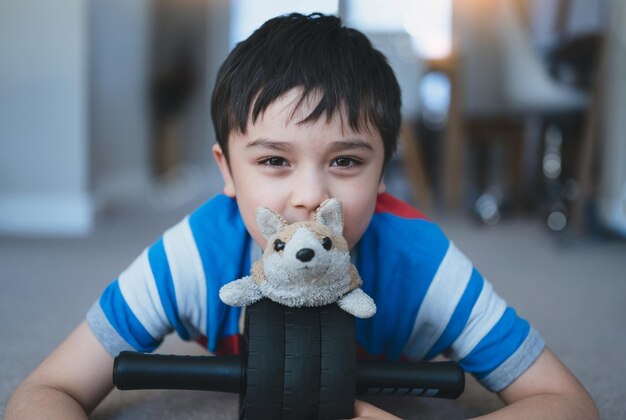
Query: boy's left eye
pixel 274 161
pixel 345 162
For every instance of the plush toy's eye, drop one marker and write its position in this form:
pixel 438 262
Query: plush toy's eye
pixel 279 245
pixel 327 243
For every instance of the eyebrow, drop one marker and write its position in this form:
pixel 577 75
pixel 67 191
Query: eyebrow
pixel 351 144
pixel 270 144
pixel 336 146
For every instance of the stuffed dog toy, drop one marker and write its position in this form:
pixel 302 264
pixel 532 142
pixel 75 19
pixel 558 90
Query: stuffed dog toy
pixel 303 264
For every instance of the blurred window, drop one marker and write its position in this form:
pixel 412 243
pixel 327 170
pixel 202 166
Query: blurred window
pixel 248 15
pixel 428 22
pixel 435 91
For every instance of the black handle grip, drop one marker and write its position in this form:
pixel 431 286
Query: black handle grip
pixel 224 374
pixel 425 379
pixel 154 371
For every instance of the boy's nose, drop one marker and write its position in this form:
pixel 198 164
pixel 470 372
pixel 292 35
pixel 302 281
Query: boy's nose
pixel 308 192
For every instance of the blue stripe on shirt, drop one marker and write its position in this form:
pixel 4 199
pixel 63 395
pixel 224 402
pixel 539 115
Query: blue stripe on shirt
pixel 123 320
pixel 397 277
pixel 223 244
pixel 165 285
pixel 497 346
pixel 460 316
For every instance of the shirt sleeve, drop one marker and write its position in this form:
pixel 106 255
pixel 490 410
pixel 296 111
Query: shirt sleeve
pixel 174 284
pixel 437 301
pixel 461 315
pixel 162 291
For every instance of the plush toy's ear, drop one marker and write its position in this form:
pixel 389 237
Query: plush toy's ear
pixel 330 213
pixel 269 221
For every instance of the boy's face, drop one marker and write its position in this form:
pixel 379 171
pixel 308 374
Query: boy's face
pixel 292 168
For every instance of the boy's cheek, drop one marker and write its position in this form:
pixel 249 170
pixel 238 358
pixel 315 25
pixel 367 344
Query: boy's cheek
pixel 353 234
pixel 255 233
pixel 358 215
pixel 354 228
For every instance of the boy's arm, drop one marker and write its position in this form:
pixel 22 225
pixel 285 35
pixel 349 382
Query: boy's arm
pixel 546 390
pixel 69 383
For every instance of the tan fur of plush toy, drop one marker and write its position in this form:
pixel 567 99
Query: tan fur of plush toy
pixel 304 264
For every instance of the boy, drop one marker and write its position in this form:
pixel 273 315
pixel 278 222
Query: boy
pixel 305 110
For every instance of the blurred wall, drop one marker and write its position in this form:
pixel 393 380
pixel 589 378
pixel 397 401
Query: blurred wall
pixel 132 43
pixel 75 112
pixel 43 125
pixel 189 41
pixel 219 22
pixel 119 55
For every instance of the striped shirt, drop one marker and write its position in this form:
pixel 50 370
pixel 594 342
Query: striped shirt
pixel 430 298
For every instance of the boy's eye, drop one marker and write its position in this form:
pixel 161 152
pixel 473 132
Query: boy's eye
pixel 345 162
pixel 327 243
pixel 279 245
pixel 274 161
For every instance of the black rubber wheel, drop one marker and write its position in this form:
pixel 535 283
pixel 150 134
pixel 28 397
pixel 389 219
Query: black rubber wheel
pixel 299 363
pixel 264 360
pixel 338 364
pixel 302 364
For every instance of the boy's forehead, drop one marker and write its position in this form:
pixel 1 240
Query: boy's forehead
pixel 295 107
pixel 292 106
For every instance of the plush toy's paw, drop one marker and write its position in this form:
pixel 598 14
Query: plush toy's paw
pixel 242 292
pixel 358 303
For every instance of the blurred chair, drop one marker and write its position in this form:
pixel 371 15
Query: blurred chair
pixel 502 85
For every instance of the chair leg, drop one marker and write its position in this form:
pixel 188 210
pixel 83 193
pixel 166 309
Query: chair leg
pixel 587 152
pixel 516 168
pixel 453 147
pixel 414 166
pixel 487 137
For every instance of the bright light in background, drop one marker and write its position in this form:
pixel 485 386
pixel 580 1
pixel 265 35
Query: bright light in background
pixel 248 15
pixel 376 15
pixel 430 25
pixel 428 22
pixel 434 91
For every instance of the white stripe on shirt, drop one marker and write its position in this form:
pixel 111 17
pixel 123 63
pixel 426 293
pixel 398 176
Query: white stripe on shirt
pixel 442 298
pixel 187 276
pixel 149 312
pixel 487 311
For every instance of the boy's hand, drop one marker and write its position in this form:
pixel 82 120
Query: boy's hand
pixel 363 411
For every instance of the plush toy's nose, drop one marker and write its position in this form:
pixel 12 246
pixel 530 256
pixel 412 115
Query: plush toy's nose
pixel 305 254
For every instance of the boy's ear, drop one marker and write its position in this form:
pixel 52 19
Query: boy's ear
pixel 381 187
pixel 222 164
